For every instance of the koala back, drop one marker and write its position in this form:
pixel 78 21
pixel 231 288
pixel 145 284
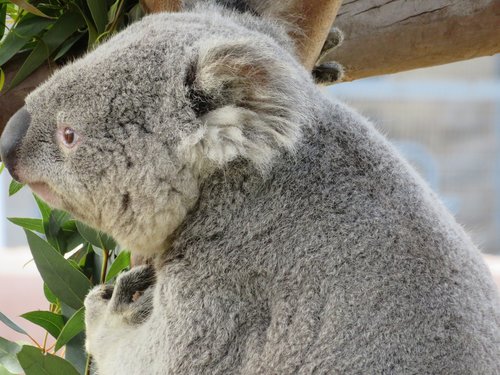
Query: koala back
pixel 338 260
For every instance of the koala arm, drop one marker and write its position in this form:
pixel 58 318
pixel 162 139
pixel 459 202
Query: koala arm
pixel 114 314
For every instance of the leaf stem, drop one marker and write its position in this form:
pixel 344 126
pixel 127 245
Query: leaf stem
pixel 45 342
pixel 34 341
pixel 104 268
pixel 114 23
pixel 87 365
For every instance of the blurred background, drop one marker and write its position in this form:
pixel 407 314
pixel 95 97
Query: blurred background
pixel 445 120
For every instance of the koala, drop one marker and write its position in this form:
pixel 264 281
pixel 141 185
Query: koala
pixel 286 235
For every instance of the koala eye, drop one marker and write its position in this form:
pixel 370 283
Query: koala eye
pixel 68 137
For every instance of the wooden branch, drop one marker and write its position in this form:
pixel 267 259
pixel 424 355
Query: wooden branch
pixel 316 19
pixel 12 100
pixel 381 37
pixel 389 36
pixel 156 6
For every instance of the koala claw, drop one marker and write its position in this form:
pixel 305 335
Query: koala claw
pixel 326 73
pixel 334 39
pixel 130 298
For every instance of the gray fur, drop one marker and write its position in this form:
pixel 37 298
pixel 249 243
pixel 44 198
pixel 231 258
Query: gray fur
pixel 288 235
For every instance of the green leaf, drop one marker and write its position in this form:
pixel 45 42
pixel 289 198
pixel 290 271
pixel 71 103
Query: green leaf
pixel 14 187
pixel 51 322
pixel 43 207
pixel 29 8
pixel 53 229
pixel 112 13
pixel 73 240
pixel 3 14
pixel 73 327
pixel 121 262
pixel 62 29
pixel 8 359
pixel 99 13
pixel 34 362
pixel 4 371
pixel 2 165
pixel 136 13
pixel 49 295
pixel 28 223
pixel 80 256
pixel 74 351
pixel 9 323
pixel 29 27
pixel 67 283
pixel 90 26
pixel 66 46
pixel 95 237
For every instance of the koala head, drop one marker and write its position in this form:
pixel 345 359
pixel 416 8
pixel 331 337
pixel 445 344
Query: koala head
pixel 124 137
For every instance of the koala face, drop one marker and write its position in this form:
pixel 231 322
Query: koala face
pixel 123 137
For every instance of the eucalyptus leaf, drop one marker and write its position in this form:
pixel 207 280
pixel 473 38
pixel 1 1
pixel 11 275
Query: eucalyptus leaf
pixel 2 82
pixel 66 282
pixel 73 327
pixel 49 295
pixel 136 13
pixel 33 224
pixel 14 187
pixel 79 256
pixel 90 26
pixel 112 11
pixel 4 371
pixel 66 46
pixel 51 322
pixel 75 352
pixel 43 207
pixel 34 362
pixel 121 262
pixel 62 29
pixel 53 229
pixel 99 11
pixel 27 28
pixel 3 15
pixel 73 240
pixel 8 359
pixel 29 8
pixel 96 237
pixel 9 323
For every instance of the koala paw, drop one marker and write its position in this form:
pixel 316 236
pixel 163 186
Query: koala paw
pixel 333 40
pixel 326 73
pixel 130 300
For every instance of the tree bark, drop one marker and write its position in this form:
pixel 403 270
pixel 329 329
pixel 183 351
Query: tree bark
pixel 316 19
pixel 12 100
pixel 381 37
pixel 156 6
pixel 389 36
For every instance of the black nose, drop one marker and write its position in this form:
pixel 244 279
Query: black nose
pixel 12 138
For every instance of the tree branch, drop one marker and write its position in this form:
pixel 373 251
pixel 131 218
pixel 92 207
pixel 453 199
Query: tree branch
pixel 381 37
pixel 12 100
pixel 389 36
pixel 316 19
pixel 156 6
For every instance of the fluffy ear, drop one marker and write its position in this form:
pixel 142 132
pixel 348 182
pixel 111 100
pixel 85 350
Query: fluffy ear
pixel 247 101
